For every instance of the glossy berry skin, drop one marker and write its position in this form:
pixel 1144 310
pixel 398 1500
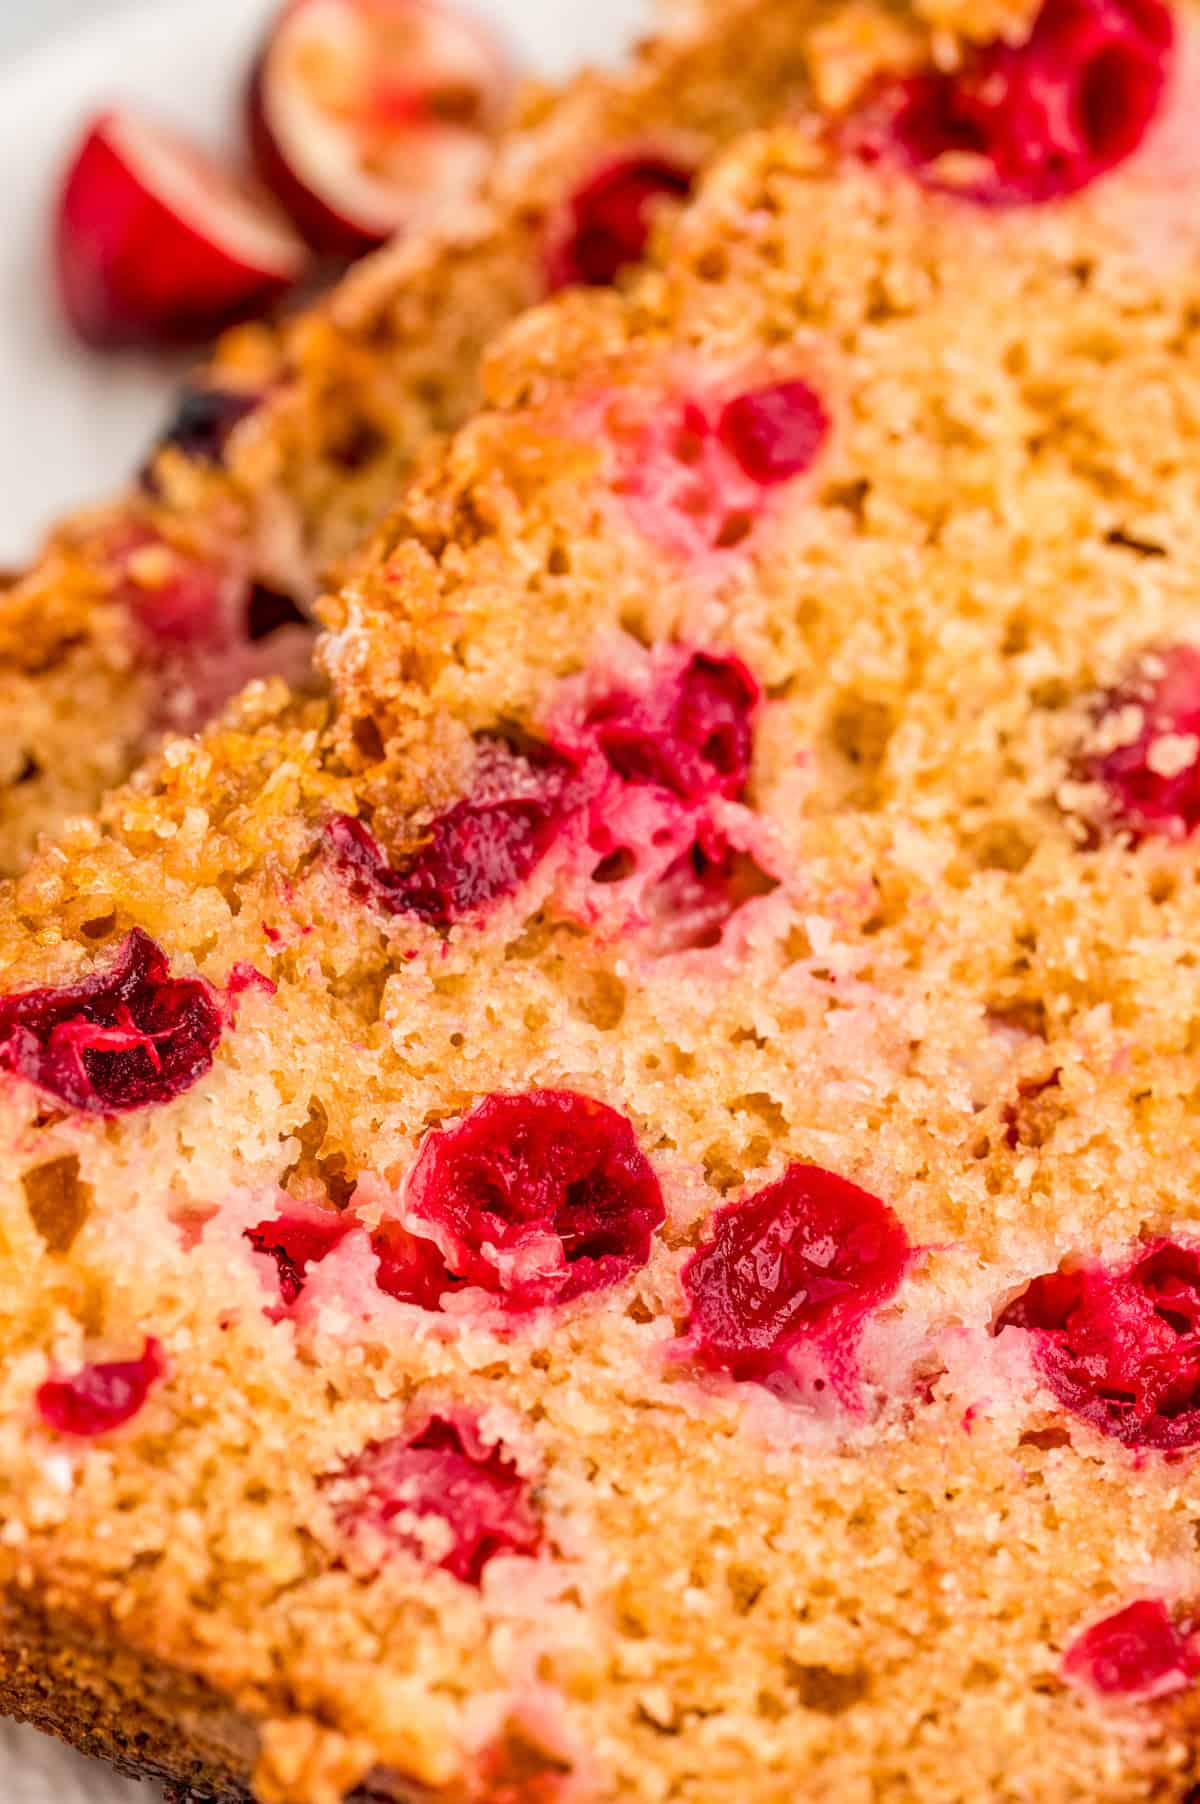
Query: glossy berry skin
pixel 536 1198
pixel 1034 122
pixel 1119 1345
pixel 1139 1652
pixel 100 1398
pixel 611 216
pixel 295 1241
pixel 449 1472
pixel 122 1039
pixel 692 735
pixel 473 856
pixel 803 1262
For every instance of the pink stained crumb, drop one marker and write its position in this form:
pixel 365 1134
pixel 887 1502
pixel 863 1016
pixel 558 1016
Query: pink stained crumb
pixel 1150 773
pixel 535 1199
pixel 798 1266
pixel 1119 1345
pixel 477 853
pixel 609 219
pixel 100 1398
pixel 1139 1652
pixel 122 1039
pixel 691 905
pixel 299 1237
pixel 1029 123
pixel 698 475
pixel 446 1494
pixel 690 731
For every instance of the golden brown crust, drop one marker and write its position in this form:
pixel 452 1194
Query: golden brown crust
pixel 354 389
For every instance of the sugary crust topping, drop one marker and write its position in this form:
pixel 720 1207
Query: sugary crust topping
pixel 961 1003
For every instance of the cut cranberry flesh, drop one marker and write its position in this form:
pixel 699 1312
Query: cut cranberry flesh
pixel 1032 122
pixel 611 218
pixel 478 852
pixel 1140 1651
pixel 119 1040
pixel 805 1260
pixel 692 904
pixel 693 736
pixel 296 1242
pixel 99 1398
pixel 774 433
pixel 412 1269
pixel 1153 779
pixel 1119 1346
pixel 537 1198
pixel 451 1472
pixel 203 423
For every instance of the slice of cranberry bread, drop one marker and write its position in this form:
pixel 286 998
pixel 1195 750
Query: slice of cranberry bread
pixel 143 616
pixel 609 1210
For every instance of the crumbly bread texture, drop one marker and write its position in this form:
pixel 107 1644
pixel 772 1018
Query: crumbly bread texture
pixel 609 1209
pixel 144 616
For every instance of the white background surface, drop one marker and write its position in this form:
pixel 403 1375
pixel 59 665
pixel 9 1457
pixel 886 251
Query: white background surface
pixel 72 424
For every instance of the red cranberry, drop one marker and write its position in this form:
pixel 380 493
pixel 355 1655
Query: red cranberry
pixel 295 1242
pixel 1119 1346
pixel 774 433
pixel 693 735
pixel 1139 1651
pixel 805 1260
pixel 99 1398
pixel 1153 779
pixel 412 1269
pixel 537 1198
pixel 121 1039
pixel 477 853
pixel 611 217
pixel 1032 122
pixel 448 1471
pixel 191 610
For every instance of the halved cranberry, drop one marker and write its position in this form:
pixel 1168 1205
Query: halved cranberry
pixel 97 1399
pixel 203 423
pixel 295 1241
pixel 180 603
pixel 372 117
pixel 805 1260
pixel 450 1471
pixel 119 1040
pixel 774 433
pixel 537 1198
pixel 692 734
pixel 1140 1651
pixel 1152 777
pixel 1031 122
pixel 611 216
pixel 157 243
pixel 478 852
pixel 1119 1346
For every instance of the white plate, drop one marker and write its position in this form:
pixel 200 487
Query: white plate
pixel 73 425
